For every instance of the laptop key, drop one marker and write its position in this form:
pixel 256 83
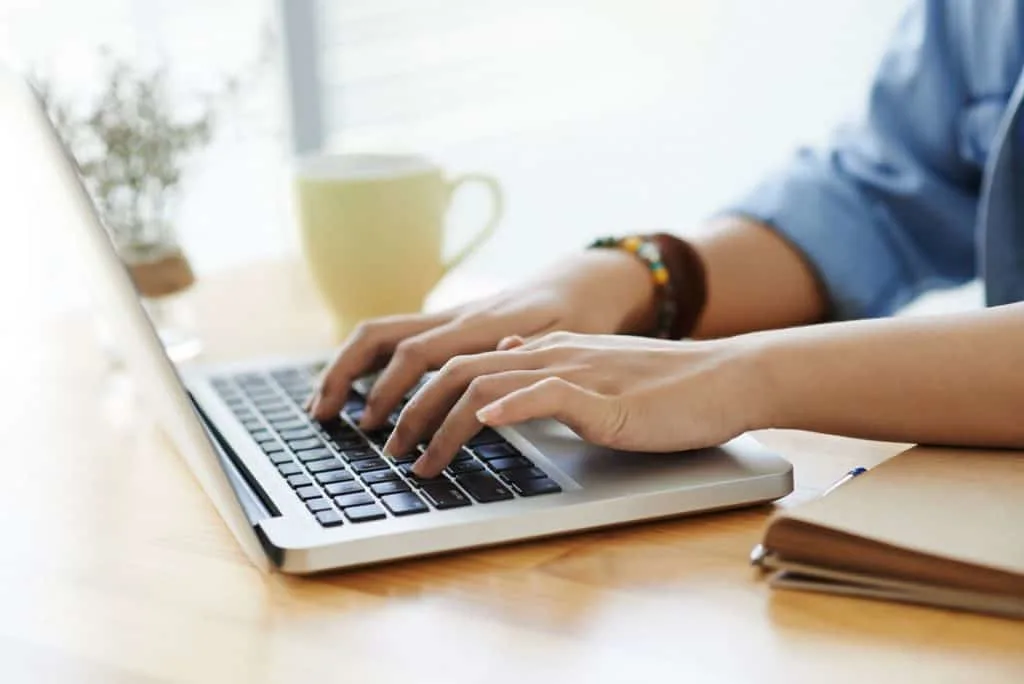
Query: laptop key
pixel 334 476
pixel 359 454
pixel 379 436
pixel 279 458
pixel 271 447
pixel 461 456
pixel 300 444
pixel 522 474
pixel 308 492
pixel 289 423
pixel 294 384
pixel 378 476
pixel 444 495
pixel 510 463
pixel 484 488
pixel 404 503
pixel 317 505
pixel 299 480
pixel 274 407
pixel 485 437
pixel 492 451
pixel 368 465
pixel 382 488
pixel 263 436
pixel 364 513
pixel 337 428
pixel 325 465
pixel 287 376
pixel 341 488
pixel 289 468
pixel 535 486
pixel 252 425
pixel 329 518
pixel 352 443
pixel 463 467
pixel 349 500
pixel 310 455
pixel 260 395
pixel 301 433
pixel 418 481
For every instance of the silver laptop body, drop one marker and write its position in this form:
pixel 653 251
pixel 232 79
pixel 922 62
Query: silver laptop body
pixel 199 408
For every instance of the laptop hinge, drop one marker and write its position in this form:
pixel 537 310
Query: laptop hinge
pixel 254 502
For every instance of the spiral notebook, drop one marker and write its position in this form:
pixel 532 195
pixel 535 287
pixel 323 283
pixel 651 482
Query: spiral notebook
pixel 942 527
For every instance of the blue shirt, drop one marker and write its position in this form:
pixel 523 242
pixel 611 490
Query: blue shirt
pixel 927 190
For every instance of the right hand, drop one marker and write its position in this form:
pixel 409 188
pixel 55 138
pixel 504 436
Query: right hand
pixel 597 291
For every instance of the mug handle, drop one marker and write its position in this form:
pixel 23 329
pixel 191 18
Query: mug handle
pixel 497 209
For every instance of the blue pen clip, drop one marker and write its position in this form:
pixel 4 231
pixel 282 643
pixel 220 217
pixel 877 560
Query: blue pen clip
pixel 859 470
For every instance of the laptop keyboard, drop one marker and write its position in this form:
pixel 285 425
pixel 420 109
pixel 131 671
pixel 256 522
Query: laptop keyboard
pixel 339 471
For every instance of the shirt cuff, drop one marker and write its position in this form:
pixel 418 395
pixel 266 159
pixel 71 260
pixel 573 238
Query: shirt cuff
pixel 843 239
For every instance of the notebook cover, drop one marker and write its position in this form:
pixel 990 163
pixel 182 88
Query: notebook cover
pixel 964 505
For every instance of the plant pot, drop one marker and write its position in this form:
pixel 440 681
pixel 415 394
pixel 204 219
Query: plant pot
pixel 164 280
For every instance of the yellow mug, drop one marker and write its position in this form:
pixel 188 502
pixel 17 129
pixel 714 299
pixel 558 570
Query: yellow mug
pixel 372 229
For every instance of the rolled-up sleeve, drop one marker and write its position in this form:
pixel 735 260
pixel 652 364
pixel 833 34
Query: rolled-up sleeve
pixel 887 210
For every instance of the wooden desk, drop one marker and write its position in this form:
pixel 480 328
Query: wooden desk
pixel 117 569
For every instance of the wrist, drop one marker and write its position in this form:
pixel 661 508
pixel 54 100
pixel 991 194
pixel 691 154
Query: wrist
pixel 618 289
pixel 765 382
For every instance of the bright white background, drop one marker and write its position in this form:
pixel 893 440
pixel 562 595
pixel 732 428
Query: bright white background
pixel 598 116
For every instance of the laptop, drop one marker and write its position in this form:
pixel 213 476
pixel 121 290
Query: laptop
pixel 304 497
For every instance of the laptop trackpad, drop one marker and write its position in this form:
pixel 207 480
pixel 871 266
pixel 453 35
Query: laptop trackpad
pixel 592 466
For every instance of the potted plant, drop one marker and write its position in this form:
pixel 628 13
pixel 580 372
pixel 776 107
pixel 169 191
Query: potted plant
pixel 130 145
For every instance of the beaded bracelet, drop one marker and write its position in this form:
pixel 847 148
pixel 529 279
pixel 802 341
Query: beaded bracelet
pixel 679 276
pixel 648 251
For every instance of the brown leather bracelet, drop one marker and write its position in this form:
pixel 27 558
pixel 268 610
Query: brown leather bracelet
pixel 689 282
pixel 679 278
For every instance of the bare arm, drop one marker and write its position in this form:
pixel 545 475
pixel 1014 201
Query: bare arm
pixel 954 379
pixel 756 281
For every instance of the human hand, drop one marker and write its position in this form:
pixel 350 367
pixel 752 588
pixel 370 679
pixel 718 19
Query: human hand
pixel 628 393
pixel 598 291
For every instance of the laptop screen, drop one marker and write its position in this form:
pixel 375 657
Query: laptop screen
pixel 35 164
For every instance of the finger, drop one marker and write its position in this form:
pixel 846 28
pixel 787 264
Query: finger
pixel 426 411
pixel 415 356
pixel 364 351
pixel 461 422
pixel 592 416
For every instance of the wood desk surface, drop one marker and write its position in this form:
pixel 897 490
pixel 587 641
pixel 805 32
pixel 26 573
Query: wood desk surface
pixel 117 569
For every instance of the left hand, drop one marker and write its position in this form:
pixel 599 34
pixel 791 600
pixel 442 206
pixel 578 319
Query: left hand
pixel 628 393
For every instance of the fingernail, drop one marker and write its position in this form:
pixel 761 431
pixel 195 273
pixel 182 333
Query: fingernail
pixel 417 466
pixel 313 404
pixel 489 413
pixel 367 418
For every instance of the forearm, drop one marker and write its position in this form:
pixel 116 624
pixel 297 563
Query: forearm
pixel 755 281
pixel 956 379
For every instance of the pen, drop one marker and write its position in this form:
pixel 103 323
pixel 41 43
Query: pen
pixel 758 553
pixel 859 470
